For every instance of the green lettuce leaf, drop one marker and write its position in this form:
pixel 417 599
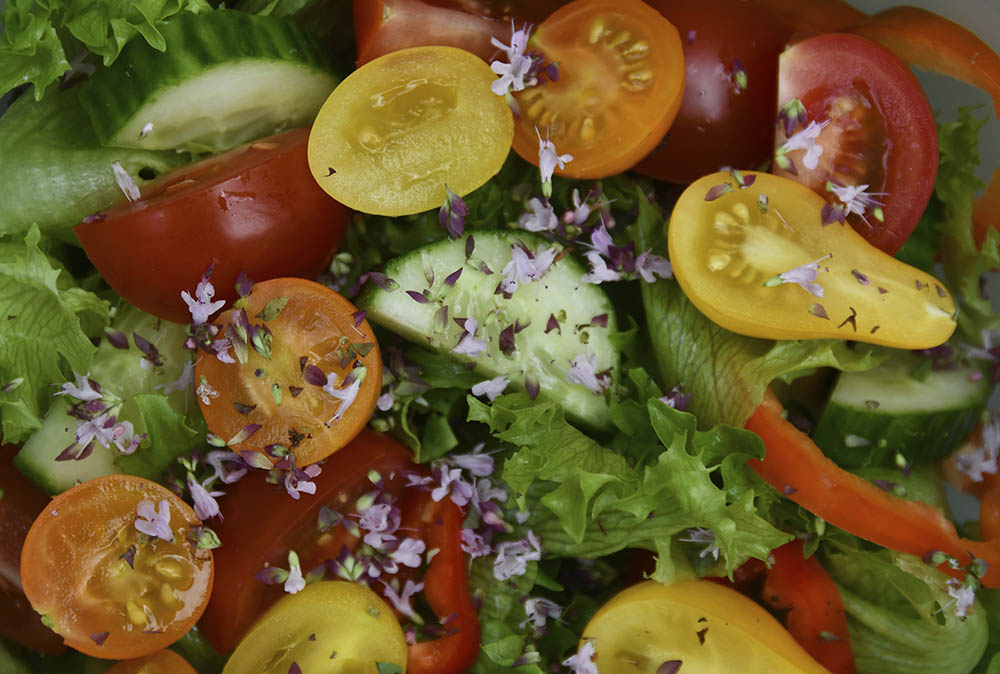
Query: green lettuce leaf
pixel 587 500
pixel 53 170
pixel 41 333
pixel 989 599
pixel 40 36
pixel 964 263
pixel 725 373
pixel 899 614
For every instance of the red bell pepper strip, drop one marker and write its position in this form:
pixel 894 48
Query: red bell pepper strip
pixel 989 513
pixel 446 588
pixel 795 466
pixel 816 615
pixel 926 40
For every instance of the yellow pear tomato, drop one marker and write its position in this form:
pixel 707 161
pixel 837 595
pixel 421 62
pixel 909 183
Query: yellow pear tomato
pixel 691 626
pixel 752 252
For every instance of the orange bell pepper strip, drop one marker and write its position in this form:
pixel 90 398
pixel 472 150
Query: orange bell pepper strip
pixel 926 40
pixel 446 587
pixel 795 466
pixel 816 616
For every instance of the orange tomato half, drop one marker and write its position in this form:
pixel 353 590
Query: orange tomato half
pixel 108 589
pixel 620 83
pixel 282 398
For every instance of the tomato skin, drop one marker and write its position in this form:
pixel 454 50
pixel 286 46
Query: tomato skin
pixel 254 209
pixel 383 26
pixel 20 504
pixel 816 16
pixel 260 523
pixel 161 662
pixel 311 325
pixel 718 123
pixel 73 570
pixel 618 89
pixel 885 136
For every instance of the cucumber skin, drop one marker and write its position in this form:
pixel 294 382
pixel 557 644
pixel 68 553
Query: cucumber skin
pixel 408 318
pixel 918 436
pixel 115 94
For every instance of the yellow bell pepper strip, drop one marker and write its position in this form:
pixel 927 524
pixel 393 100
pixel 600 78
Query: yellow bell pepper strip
pixel 795 466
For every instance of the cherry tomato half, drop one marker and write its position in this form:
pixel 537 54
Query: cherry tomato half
pixel 400 129
pixel 758 261
pixel 620 82
pixel 877 130
pixel 295 392
pixel 110 590
pixel 254 209
pixel 730 85
pixel 703 626
pixel 333 626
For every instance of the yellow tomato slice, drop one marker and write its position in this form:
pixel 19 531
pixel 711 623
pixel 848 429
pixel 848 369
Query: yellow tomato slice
pixel 621 80
pixel 735 251
pixel 401 127
pixel 703 626
pixel 332 626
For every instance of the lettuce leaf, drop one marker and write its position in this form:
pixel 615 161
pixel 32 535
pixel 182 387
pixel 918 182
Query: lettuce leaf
pixel 587 500
pixel 900 616
pixel 725 373
pixel 47 325
pixel 964 263
pixel 41 36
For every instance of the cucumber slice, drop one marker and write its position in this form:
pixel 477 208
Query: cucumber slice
pixel 873 415
pixel 225 78
pixel 543 354
pixel 120 371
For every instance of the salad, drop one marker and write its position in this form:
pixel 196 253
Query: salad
pixel 445 336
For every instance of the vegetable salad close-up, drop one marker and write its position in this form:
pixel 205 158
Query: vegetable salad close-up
pixel 535 336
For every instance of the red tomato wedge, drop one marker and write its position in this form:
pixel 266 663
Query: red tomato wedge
pixel 730 85
pixel 620 83
pixel 255 209
pixel 872 124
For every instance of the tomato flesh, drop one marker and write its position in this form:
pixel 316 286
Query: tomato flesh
pixel 254 209
pixel 620 82
pixel 315 328
pixel 78 574
pixel 729 252
pixel 721 123
pixel 161 662
pixel 880 130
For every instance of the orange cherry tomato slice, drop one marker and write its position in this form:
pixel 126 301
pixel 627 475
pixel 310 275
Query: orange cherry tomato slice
pixel 295 397
pixel 621 79
pixel 110 590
